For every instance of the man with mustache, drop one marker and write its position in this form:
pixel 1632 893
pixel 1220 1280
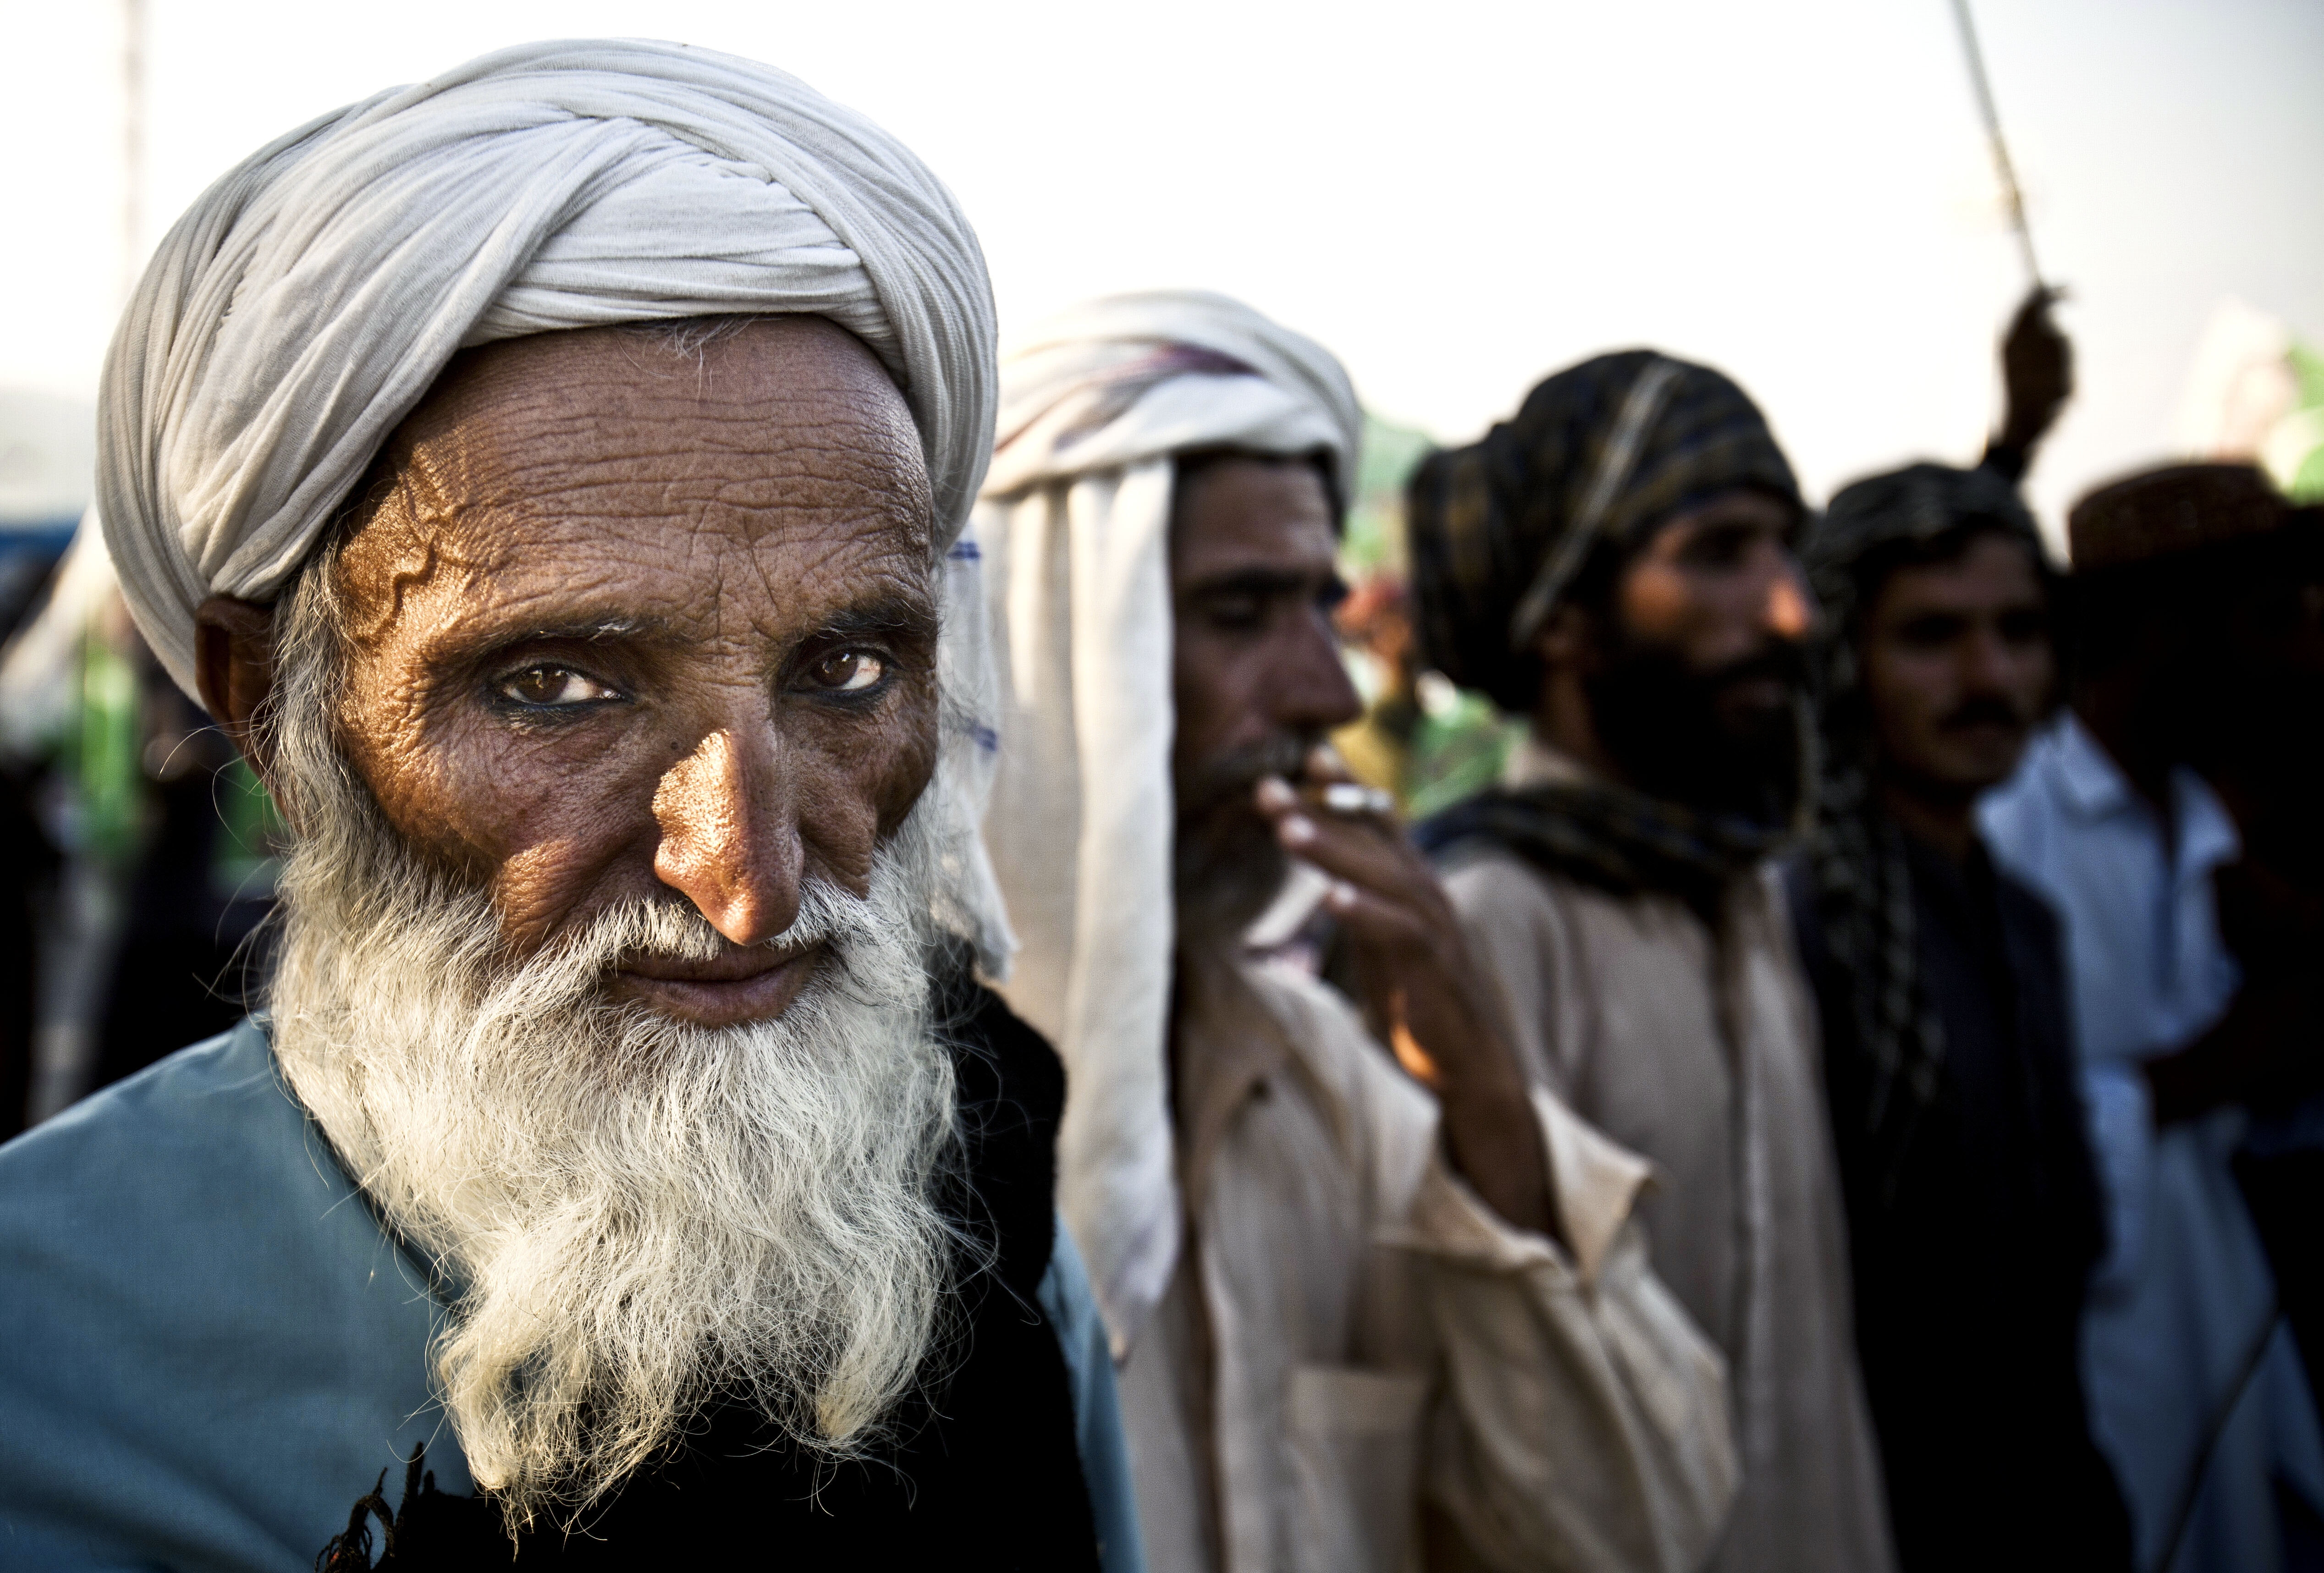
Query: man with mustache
pixel 1360 1328
pixel 1615 566
pixel 1973 1209
pixel 544 475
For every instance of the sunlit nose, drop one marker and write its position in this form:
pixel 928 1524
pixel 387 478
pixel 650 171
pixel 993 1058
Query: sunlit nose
pixel 726 845
pixel 1787 608
pixel 1984 661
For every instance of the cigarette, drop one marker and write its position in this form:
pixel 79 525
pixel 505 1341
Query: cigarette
pixel 1352 797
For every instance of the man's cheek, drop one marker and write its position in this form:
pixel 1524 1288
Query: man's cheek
pixel 890 774
pixel 537 885
pixel 2032 690
pixel 479 792
pixel 894 793
pixel 486 800
pixel 1656 602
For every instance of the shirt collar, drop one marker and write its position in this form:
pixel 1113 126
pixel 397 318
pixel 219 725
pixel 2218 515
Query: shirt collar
pixel 2204 833
pixel 2207 836
pixel 2092 782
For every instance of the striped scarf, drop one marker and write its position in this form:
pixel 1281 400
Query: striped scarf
pixel 1612 838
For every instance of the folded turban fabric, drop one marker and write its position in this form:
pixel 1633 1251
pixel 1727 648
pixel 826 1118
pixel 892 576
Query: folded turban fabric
pixel 1601 453
pixel 1075 532
pixel 1862 880
pixel 306 301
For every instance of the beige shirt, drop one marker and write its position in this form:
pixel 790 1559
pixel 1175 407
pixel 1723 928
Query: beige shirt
pixel 1397 1379
pixel 1704 1059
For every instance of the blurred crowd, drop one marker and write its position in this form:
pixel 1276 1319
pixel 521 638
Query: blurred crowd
pixel 138 849
pixel 2045 861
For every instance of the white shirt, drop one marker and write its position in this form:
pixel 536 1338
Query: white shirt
pixel 2184 1296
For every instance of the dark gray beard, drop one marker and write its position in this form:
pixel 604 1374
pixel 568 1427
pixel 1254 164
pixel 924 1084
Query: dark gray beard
pixel 1226 864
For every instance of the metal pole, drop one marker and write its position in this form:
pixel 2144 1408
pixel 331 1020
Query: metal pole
pixel 1993 132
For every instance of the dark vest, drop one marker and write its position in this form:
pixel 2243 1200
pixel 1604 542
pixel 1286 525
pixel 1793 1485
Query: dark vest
pixel 1972 1265
pixel 985 1468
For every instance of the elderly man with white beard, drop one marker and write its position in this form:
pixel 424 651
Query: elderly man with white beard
pixel 1360 1327
pixel 545 475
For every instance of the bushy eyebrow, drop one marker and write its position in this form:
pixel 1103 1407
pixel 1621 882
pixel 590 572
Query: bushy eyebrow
pixel 894 616
pixel 888 615
pixel 587 630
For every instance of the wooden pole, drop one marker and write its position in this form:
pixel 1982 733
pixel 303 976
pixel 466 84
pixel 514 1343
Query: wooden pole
pixel 2001 163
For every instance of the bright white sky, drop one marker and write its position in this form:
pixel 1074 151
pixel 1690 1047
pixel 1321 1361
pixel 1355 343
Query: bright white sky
pixel 1458 198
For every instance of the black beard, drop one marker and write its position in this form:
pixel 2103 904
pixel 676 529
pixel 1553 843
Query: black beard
pixel 1226 864
pixel 1660 721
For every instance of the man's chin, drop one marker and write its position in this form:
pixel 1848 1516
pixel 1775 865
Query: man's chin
pixel 1751 706
pixel 1757 717
pixel 1228 866
pixel 746 987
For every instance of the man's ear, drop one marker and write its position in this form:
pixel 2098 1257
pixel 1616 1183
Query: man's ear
pixel 1564 641
pixel 234 666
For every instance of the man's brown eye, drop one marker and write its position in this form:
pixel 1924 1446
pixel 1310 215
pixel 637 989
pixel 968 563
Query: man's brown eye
pixel 849 671
pixel 553 688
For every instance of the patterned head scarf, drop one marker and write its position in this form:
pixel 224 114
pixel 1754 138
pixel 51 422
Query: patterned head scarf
pixel 1500 531
pixel 1863 884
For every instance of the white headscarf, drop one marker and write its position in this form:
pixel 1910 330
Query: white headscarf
pixel 1074 534
pixel 306 301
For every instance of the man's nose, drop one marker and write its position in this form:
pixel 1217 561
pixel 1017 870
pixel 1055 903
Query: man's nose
pixel 729 840
pixel 1313 693
pixel 1785 613
pixel 1985 664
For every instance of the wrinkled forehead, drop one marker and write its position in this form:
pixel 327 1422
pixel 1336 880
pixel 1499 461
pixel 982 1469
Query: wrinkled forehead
pixel 684 466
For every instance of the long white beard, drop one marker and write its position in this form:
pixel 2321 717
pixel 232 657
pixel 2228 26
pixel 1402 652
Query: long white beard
pixel 636 1213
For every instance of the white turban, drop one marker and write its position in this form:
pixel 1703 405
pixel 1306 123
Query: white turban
pixel 1074 534
pixel 305 304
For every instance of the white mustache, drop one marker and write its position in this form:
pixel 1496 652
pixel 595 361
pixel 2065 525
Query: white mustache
pixel 672 931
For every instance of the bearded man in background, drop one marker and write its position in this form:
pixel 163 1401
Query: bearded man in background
pixel 622 1097
pixel 1615 566
pixel 1360 1327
